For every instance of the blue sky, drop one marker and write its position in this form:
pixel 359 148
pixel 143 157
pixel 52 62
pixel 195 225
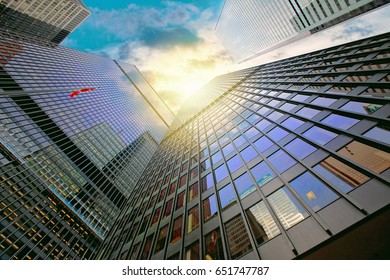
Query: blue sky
pixel 174 45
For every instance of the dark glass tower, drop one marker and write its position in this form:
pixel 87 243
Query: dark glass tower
pixel 284 160
pixel 76 132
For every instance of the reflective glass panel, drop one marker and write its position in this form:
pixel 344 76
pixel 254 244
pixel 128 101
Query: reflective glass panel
pixel 226 196
pixel 300 148
pixel 339 121
pixel 262 173
pixel 244 185
pixel 281 161
pixel 319 135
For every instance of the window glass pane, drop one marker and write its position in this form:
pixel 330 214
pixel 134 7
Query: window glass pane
pixel 228 149
pixel 213 246
pixel 275 116
pixel 239 141
pixel 205 165
pixel 176 229
pixel 194 173
pixel 262 173
pixel 207 182
pixel 234 163
pixel 370 157
pixel 148 245
pixel 209 207
pixel 287 106
pixel 226 196
pixel 308 112
pixel 339 121
pixel 342 176
pixel 263 124
pixel 253 119
pixel 323 101
pixel 168 208
pixel 183 180
pixel 292 123
pixel 248 154
pixel 180 201
pixel 262 224
pixel 287 207
pixel 172 188
pixel 192 252
pixel 244 185
pixel 193 191
pixel 277 133
pixel 315 193
pixel 263 144
pixel 162 236
pixel 319 135
pixel 361 107
pixel 156 216
pixel 216 157
pixel 252 132
pixel 220 173
pixel 281 161
pixel 381 134
pixel 193 219
pixel 300 148
pixel 237 236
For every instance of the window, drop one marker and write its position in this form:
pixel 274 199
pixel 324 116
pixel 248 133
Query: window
pixel 339 121
pixel 221 173
pixel 277 134
pixel 361 108
pixel 340 175
pixel 315 193
pixel 248 154
pixel 172 188
pixel 299 97
pixel 307 112
pixel 287 106
pixel 319 135
pixel 244 185
pixel 193 219
pixel 168 208
pixel 262 173
pixel 292 123
pixel 287 208
pixel 205 165
pixel 213 246
pixel 209 207
pixel 207 182
pixel 370 157
pixel 300 148
pixel 263 144
pixel 252 132
pixel 192 252
pixel 216 157
pixel 239 141
pixel 226 196
pixel 275 116
pixel 162 195
pixel 262 224
pixel 135 250
pixel 228 149
pixel 162 236
pixel 177 229
pixel 237 236
pixel 381 134
pixel 323 101
pixel 183 180
pixel 156 215
pixel 234 163
pixel 180 200
pixel 263 124
pixel 148 245
pixel 193 191
pixel 281 161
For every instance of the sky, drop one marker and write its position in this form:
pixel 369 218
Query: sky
pixel 173 42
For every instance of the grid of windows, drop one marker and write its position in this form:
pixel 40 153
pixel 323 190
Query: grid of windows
pixel 265 170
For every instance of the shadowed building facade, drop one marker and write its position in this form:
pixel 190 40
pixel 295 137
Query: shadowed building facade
pixel 279 161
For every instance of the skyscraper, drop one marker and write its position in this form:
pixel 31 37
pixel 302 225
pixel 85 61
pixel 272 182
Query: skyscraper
pixel 251 28
pixel 77 130
pixel 279 161
pixel 43 20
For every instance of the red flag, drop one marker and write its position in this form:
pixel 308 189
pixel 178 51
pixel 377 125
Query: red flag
pixel 76 92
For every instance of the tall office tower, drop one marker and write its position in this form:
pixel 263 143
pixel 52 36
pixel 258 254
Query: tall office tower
pixel 250 28
pixel 289 160
pixel 46 20
pixel 76 132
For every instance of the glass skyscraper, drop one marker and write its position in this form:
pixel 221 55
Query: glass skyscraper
pixel 286 160
pixel 44 20
pixel 248 28
pixel 77 130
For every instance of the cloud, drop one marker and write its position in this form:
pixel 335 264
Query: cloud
pixel 163 38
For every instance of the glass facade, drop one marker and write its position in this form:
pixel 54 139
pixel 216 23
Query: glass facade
pixel 67 164
pixel 269 180
pixel 248 28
